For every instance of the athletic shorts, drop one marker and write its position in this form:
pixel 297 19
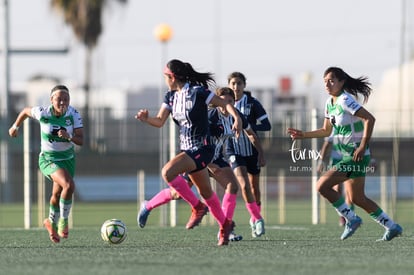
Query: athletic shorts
pixel 202 157
pixel 351 168
pixel 251 163
pixel 220 162
pixel 48 167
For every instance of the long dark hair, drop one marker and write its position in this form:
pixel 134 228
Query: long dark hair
pixel 237 75
pixel 354 86
pixel 184 72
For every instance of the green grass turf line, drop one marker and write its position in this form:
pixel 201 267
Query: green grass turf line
pixel 284 249
pixel 93 214
pixel 296 247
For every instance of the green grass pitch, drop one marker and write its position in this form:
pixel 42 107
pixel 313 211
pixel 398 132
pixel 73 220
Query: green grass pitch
pixel 297 247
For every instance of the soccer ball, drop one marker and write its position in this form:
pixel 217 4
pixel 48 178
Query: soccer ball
pixel 113 231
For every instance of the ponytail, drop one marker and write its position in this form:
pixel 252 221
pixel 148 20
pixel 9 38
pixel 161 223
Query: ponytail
pixel 354 86
pixel 184 72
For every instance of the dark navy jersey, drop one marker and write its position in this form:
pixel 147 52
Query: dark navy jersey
pixel 253 110
pixel 189 108
pixel 221 129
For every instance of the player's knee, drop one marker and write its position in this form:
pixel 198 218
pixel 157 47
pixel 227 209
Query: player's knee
pixel 166 174
pixel 175 195
pixel 322 188
pixel 233 189
pixel 68 185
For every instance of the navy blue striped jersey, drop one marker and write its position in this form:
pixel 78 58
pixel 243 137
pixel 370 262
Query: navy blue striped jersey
pixel 189 109
pixel 253 110
pixel 221 129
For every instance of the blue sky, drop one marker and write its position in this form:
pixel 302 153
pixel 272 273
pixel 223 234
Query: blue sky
pixel 265 39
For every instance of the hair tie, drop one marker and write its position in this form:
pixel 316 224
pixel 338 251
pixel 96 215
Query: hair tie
pixel 168 71
pixel 60 90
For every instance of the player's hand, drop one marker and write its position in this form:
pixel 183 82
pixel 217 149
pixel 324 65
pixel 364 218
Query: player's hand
pixel 295 133
pixel 142 115
pixel 63 134
pixel 13 131
pixel 358 154
pixel 261 160
pixel 237 127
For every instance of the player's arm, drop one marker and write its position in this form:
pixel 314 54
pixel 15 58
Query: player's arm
pixel 262 120
pixel 325 131
pixel 237 125
pixel 369 120
pixel 156 121
pixel 263 126
pixel 77 137
pixel 25 113
pixel 257 144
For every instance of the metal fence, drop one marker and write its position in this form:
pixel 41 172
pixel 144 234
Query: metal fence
pixel 120 148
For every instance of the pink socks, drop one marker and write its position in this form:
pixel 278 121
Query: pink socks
pixel 163 197
pixel 213 204
pixel 182 188
pixel 254 211
pixel 228 205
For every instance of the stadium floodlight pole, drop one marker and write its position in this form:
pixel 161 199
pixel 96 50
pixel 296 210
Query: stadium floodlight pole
pixel 398 114
pixel 163 33
pixel 5 185
pixel 315 195
pixel 28 177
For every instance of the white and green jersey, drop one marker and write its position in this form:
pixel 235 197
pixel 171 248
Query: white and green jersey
pixel 348 129
pixel 53 147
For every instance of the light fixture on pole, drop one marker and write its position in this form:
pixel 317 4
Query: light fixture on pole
pixel 163 33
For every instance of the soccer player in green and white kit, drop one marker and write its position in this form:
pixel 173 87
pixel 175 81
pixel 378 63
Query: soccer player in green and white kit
pixel 352 127
pixel 61 127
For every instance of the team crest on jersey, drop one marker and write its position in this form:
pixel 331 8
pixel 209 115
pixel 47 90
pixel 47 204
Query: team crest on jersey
pixel 68 122
pixel 189 105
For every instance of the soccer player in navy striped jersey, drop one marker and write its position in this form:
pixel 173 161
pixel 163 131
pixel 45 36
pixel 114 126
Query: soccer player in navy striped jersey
pixel 187 101
pixel 220 122
pixel 243 156
pixel 220 125
pixel 61 127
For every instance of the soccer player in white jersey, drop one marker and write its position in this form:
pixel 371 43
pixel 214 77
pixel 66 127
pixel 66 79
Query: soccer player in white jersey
pixel 60 128
pixel 352 127
pixel 187 101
